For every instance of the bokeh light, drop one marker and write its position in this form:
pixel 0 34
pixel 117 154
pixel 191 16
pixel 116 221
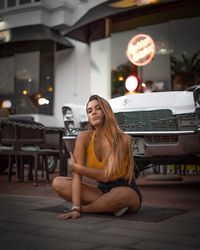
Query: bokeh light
pixel 131 83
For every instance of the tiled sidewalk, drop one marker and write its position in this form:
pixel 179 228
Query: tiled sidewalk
pixel 169 219
pixel 173 194
pixel 25 225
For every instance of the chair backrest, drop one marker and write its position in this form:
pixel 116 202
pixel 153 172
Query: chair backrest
pixel 30 133
pixel 53 140
pixel 8 134
pixel 22 117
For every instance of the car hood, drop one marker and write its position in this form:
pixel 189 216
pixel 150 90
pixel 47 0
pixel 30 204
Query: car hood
pixel 177 101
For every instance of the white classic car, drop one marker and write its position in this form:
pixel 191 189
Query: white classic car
pixel 165 126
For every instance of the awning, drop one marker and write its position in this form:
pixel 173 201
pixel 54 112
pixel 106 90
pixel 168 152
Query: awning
pixel 34 33
pixel 92 26
pixel 103 19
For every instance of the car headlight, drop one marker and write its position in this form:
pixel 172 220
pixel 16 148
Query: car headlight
pixel 187 122
pixel 67 114
pixel 68 119
pixel 196 95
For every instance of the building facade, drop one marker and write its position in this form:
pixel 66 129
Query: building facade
pixel 57 52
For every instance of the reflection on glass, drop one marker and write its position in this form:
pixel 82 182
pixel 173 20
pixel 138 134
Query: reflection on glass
pixel 11 3
pixel 7 76
pixel 26 76
pixel 24 1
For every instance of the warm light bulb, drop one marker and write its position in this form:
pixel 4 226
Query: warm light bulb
pixel 120 78
pixel 131 83
pixel 43 101
pixel 25 92
pixel 50 89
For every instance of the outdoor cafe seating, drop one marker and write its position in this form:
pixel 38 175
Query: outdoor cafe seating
pixel 27 142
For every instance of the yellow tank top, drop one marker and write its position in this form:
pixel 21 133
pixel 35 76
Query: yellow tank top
pixel 92 161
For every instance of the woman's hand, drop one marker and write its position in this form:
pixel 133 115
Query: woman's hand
pixel 69 215
pixel 73 214
pixel 71 162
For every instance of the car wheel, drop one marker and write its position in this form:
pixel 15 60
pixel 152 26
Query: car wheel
pixel 52 164
pixel 3 163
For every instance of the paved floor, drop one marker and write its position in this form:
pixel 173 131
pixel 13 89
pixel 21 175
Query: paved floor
pixel 169 219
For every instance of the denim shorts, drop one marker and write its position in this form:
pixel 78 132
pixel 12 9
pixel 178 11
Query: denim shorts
pixel 105 187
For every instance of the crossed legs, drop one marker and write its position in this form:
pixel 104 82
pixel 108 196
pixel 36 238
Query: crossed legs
pixel 94 201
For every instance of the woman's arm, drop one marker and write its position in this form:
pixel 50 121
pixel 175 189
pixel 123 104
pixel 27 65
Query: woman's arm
pixel 94 173
pixel 79 158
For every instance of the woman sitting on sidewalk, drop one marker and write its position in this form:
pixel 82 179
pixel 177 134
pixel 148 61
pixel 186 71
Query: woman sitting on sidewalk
pixel 103 153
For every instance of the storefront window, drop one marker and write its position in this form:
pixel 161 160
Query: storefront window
pixel 7 86
pixel 176 64
pixel 26 78
pixel 11 3
pixel 27 81
pixel 2 4
pixel 24 1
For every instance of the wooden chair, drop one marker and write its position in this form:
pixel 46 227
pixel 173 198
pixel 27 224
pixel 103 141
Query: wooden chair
pixel 54 146
pixel 29 139
pixel 24 138
pixel 8 138
pixel 33 141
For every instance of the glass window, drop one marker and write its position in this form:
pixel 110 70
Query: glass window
pixel 24 1
pixel 27 81
pixel 7 76
pixel 175 65
pixel 11 3
pixel 2 4
pixel 27 77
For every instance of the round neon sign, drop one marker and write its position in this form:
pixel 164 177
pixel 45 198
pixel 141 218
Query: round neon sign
pixel 140 50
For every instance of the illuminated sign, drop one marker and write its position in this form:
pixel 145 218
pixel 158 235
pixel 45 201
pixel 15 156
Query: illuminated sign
pixel 131 83
pixel 140 50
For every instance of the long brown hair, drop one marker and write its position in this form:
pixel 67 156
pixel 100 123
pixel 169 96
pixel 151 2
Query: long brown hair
pixel 118 144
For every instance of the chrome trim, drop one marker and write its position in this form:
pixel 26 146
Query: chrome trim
pixel 147 133
pixel 69 137
pixel 160 132
pixel 196 94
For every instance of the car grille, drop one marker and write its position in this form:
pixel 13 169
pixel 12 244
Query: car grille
pixel 161 139
pixel 153 120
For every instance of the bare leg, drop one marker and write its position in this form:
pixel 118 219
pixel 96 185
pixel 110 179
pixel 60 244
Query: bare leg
pixel 63 187
pixel 117 198
pixel 95 201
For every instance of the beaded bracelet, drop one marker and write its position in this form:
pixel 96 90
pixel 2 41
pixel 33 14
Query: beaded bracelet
pixel 76 208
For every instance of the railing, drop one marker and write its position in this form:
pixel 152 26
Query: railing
pixel 29 125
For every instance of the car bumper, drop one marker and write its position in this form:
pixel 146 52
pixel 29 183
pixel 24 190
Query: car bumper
pixel 166 144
